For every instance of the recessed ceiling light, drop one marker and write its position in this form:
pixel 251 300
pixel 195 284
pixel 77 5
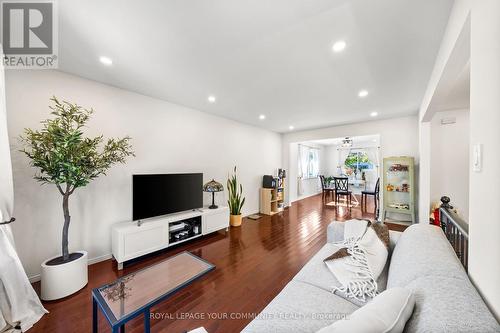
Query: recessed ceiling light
pixel 211 99
pixel 291 128
pixel 262 117
pixel 374 114
pixel 106 61
pixel 363 93
pixel 339 46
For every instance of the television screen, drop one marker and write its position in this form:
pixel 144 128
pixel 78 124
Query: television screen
pixel 155 195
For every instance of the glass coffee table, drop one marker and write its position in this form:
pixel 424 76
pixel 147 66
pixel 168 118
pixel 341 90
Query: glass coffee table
pixel 134 294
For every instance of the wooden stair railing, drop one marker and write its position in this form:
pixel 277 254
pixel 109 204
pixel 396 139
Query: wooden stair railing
pixel 456 230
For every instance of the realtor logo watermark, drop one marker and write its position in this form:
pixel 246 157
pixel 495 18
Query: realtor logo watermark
pixel 29 34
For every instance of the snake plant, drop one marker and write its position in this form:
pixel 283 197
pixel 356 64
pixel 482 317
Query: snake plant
pixel 235 200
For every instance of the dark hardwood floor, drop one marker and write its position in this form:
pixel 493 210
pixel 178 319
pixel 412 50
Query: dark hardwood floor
pixel 253 263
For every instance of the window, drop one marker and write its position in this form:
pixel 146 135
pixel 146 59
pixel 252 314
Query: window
pixel 358 160
pixel 308 162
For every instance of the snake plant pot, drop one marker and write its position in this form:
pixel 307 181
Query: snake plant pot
pixel 235 220
pixel 63 279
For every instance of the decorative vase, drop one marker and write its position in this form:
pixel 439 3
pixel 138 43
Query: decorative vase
pixel 64 279
pixel 235 220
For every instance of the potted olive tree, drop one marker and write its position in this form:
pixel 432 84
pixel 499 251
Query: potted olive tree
pixel 69 160
pixel 235 200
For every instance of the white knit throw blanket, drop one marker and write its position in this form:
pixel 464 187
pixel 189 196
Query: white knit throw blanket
pixel 357 273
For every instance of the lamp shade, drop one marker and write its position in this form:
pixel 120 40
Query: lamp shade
pixel 213 186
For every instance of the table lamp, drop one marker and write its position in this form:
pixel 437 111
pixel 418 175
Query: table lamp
pixel 212 187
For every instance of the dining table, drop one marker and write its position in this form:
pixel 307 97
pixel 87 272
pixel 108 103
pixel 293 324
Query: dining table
pixel 359 184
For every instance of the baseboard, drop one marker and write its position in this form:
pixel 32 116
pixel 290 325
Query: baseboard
pixel 36 277
pixel 100 258
pixel 307 196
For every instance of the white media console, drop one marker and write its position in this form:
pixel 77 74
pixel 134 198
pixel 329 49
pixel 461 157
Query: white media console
pixel 131 240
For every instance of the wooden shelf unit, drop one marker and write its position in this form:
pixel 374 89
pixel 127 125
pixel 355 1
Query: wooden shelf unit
pixel 272 200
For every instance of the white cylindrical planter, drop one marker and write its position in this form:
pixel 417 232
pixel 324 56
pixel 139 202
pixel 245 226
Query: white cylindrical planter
pixel 62 280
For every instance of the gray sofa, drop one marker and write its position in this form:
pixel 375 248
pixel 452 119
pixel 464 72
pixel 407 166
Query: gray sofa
pixel 421 260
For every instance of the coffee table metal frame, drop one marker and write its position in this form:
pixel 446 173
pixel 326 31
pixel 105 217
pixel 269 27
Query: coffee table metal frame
pixel 118 325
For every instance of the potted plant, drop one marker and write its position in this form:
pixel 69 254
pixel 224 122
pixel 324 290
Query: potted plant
pixel 67 159
pixel 235 200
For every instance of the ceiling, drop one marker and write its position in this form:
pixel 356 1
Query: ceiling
pixel 458 96
pixel 453 88
pixel 358 141
pixel 258 57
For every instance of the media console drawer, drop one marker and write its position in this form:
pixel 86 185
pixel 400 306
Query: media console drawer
pixel 144 241
pixel 130 240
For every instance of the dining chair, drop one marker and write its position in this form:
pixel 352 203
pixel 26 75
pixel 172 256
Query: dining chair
pixel 342 189
pixel 375 193
pixel 326 190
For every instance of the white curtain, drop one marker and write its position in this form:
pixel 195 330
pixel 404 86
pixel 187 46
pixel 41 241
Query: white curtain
pixel 373 155
pixel 19 304
pixel 302 168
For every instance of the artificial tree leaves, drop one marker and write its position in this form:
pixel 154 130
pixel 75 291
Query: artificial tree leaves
pixel 64 156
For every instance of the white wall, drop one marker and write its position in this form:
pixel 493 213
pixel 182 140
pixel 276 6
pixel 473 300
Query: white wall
pixel 167 138
pixel 424 182
pixel 484 120
pixel 332 157
pixel 450 159
pixel 398 136
pixel 484 227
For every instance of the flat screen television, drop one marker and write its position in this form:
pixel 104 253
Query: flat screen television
pixel 155 195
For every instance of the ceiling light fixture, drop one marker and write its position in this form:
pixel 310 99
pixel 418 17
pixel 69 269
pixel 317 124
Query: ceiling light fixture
pixel 339 46
pixel 374 114
pixel 106 61
pixel 291 128
pixel 347 142
pixel 363 93
pixel 262 117
pixel 211 99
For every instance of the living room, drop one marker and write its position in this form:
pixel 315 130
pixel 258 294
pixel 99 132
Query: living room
pixel 249 146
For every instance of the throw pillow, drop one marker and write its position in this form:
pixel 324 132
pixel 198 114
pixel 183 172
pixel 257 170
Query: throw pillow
pixel 382 233
pixel 357 273
pixel 338 254
pixel 388 312
pixel 376 252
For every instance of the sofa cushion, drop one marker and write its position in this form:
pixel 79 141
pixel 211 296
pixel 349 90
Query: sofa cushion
pixel 446 301
pixel 300 307
pixel 388 313
pixel 315 271
pixel 448 305
pixel 335 233
pixel 423 250
pixel 376 251
pixel 317 274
